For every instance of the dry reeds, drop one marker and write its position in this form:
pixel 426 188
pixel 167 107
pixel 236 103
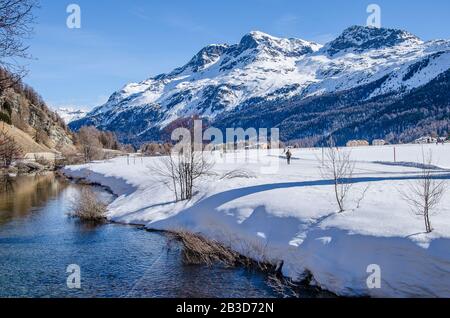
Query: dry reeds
pixel 87 207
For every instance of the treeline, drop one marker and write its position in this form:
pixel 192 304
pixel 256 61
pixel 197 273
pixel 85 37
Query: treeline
pixel 93 144
pixel 156 149
pixel 350 115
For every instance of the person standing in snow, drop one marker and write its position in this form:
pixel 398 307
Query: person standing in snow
pixel 288 156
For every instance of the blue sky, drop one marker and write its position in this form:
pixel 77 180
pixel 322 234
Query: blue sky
pixel 128 41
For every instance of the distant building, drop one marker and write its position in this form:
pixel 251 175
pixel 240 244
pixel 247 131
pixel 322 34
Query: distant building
pixel 379 142
pixel 247 145
pixel 262 145
pixel 426 140
pixel 357 143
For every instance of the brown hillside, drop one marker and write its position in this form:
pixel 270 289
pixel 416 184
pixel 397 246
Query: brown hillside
pixel 24 140
pixel 24 113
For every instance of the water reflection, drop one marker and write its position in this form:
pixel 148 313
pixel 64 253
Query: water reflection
pixel 21 195
pixel 38 241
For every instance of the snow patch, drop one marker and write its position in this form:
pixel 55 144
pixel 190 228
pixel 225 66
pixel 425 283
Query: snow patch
pixel 291 216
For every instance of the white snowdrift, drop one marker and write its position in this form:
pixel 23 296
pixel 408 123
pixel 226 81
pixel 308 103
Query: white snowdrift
pixel 291 216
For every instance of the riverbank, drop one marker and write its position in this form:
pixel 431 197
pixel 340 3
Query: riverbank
pixel 290 216
pixel 39 241
pixel 199 250
pixel 28 167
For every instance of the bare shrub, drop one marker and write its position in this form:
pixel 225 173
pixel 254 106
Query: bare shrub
pixel 9 149
pixel 181 169
pixel 199 250
pixel 70 157
pixel 362 196
pixel 285 286
pixel 338 167
pixel 88 207
pixel 425 194
pixel 89 143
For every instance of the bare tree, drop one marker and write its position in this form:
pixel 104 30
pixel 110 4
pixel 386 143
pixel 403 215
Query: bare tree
pixel 9 149
pixel 425 194
pixel 187 161
pixel 362 196
pixel 16 21
pixel 181 169
pixel 338 167
pixel 109 140
pixel 88 139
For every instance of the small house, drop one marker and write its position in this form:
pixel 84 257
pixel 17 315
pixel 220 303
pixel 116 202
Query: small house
pixel 426 140
pixel 378 142
pixel 357 143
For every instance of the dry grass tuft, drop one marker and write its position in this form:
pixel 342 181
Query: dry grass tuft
pixel 199 250
pixel 87 207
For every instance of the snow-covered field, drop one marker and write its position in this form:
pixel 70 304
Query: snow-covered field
pixel 290 215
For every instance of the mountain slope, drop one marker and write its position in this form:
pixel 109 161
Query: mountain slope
pixel 27 118
pixel 348 115
pixel 267 75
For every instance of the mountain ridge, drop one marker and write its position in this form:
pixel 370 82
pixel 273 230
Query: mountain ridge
pixel 69 114
pixel 222 79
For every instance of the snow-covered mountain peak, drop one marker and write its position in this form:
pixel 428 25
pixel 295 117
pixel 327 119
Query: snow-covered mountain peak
pixel 261 35
pixel 224 78
pixel 361 38
pixel 69 114
pixel 289 47
pixel 205 57
pixel 255 39
pixel 253 46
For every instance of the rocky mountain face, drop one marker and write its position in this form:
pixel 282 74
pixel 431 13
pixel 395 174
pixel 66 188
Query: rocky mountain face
pixel 307 90
pixel 23 109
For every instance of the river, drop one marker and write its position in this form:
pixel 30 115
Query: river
pixel 38 241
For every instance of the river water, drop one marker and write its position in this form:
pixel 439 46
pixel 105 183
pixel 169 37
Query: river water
pixel 38 241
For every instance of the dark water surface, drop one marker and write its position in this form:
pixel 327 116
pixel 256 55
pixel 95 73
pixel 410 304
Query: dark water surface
pixel 38 241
